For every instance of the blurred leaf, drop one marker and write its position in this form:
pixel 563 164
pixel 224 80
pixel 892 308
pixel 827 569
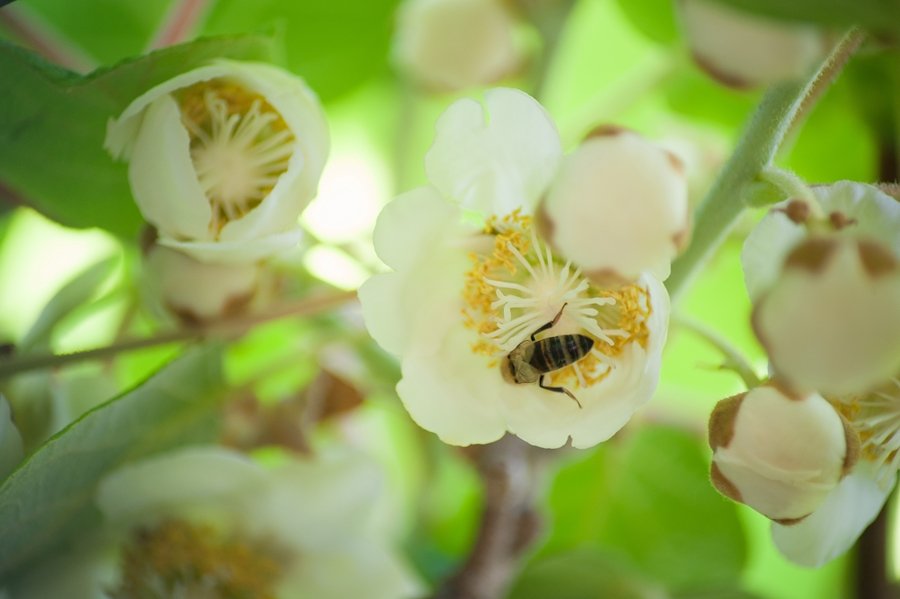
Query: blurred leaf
pixel 107 30
pixel 73 294
pixel 694 94
pixel 53 123
pixel 654 18
pixel 583 574
pixel 668 518
pixel 49 498
pixel 650 499
pixel 716 594
pixel 878 15
pixel 335 45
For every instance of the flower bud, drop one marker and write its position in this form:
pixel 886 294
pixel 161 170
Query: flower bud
pixel 195 291
pixel 223 159
pixel 618 207
pixel 742 50
pixel 455 44
pixel 779 454
pixel 830 321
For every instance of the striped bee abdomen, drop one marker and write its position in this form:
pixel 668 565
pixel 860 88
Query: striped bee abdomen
pixel 553 353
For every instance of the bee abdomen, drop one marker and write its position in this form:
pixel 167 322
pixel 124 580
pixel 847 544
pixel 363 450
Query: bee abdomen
pixel 553 353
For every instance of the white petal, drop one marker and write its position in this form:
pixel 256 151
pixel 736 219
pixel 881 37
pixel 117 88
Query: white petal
pixel 410 223
pixel 877 217
pixel 186 286
pixel 497 157
pixel 162 176
pixel 385 311
pixel 176 481
pixel 450 392
pixel 363 569
pixel 237 252
pixel 455 44
pixel 121 132
pixel 619 203
pixel 837 329
pixel 300 109
pixel 11 452
pixel 834 527
pixel 745 49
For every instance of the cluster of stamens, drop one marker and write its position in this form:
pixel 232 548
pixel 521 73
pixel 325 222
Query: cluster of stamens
pixel 519 286
pixel 875 417
pixel 180 560
pixel 240 146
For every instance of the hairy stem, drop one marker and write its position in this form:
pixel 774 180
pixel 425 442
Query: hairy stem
pixel 29 29
pixel 179 24
pixel 781 109
pixel 225 328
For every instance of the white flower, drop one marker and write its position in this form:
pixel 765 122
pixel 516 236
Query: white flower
pixel 455 44
pixel 223 158
pixel 209 522
pixel 744 50
pixel 779 454
pixel 831 321
pixel 869 214
pixel 636 189
pixel 11 452
pixel 196 291
pixel 472 281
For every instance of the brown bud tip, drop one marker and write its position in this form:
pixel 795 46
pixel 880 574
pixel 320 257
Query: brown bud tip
pixel 839 220
pixel 606 130
pixel 721 421
pixel 797 211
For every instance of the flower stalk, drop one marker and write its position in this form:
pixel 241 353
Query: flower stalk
pixel 782 107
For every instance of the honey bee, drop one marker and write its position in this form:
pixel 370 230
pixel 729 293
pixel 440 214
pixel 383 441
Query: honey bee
pixel 531 360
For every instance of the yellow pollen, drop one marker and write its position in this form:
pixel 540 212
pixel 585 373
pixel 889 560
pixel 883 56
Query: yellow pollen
pixel 509 290
pixel 175 558
pixel 240 146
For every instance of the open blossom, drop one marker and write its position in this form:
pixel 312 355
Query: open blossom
pixel 223 158
pixel 823 300
pixel 455 44
pixel 472 282
pixel 209 522
pixel 741 49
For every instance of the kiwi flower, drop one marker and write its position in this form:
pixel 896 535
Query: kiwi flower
pixel 222 159
pixel 818 450
pixel 473 278
pixel 209 522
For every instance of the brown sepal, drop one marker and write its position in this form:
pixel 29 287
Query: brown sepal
pixel 723 485
pixel 876 260
pixel 812 254
pixel 721 421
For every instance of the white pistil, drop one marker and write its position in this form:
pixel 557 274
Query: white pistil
pixel 547 285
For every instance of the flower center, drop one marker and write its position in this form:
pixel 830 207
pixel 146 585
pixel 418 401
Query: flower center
pixel 519 285
pixel 178 560
pixel 240 146
pixel 876 419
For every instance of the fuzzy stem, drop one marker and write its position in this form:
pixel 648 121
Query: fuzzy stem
pixel 781 109
pixel 227 328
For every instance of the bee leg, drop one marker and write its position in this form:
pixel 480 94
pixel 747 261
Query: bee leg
pixel 558 390
pixel 550 324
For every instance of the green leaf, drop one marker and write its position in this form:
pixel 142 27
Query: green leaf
pixel 582 574
pixel 335 45
pixel 49 498
pixel 667 517
pixel 654 18
pixel 878 15
pixel 649 499
pixel 53 124
pixel 81 288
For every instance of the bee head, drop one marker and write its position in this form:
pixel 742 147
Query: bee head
pixel 508 370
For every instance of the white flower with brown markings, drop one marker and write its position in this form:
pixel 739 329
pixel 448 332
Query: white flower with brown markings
pixel 825 286
pixel 223 158
pixel 474 290
pixel 741 49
